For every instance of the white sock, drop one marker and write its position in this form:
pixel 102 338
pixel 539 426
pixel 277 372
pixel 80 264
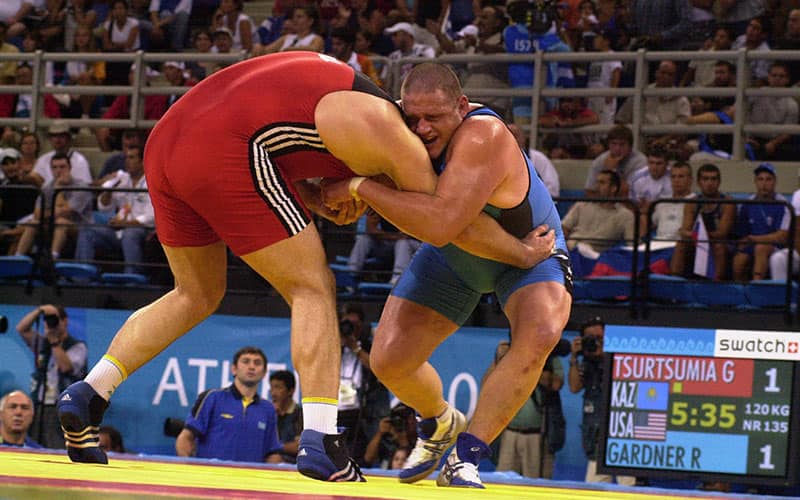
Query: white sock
pixel 106 376
pixel 319 415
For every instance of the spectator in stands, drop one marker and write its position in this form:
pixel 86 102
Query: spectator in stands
pixel 544 167
pixel 774 110
pixel 403 38
pixel 154 108
pixel 718 220
pixel 170 20
pixel 653 182
pixel 737 14
pixel 701 28
pixel 51 25
pixel 755 38
pixel 374 22
pixel 234 423
pixel 15 202
pixel 591 228
pixel 132 221
pixel 83 73
pixel 382 240
pixel 130 138
pixel 571 113
pixel 396 431
pixel 223 42
pixel 761 228
pixel 59 359
pixel 61 140
pixel 779 260
pixel 702 73
pixel 399 458
pixel 120 34
pixel 791 40
pixel 668 217
pixel 202 43
pixel 363 400
pixel 8 69
pixel 660 110
pixel 523 36
pixel 16 417
pixel 490 23
pixel 13 14
pixel 290 414
pixel 587 373
pixel 660 24
pixel 523 448
pixel 79 13
pixel 20 105
pixel 304 36
pixel 29 152
pixel 71 208
pixel 604 75
pixel 620 158
pixel 230 15
pixel 110 439
pixel 342 43
pixel 174 73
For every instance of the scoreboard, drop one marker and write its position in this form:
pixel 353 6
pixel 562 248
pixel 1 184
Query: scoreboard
pixel 706 404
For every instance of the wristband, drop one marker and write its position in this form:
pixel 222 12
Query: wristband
pixel 353 186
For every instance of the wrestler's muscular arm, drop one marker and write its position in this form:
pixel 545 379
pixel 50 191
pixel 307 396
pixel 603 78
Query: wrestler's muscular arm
pixel 368 134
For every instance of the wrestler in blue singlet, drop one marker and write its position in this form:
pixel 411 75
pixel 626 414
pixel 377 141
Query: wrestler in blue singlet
pixel 451 281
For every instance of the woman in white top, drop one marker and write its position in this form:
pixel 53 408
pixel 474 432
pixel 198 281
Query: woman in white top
pixel 230 15
pixel 121 31
pixel 304 21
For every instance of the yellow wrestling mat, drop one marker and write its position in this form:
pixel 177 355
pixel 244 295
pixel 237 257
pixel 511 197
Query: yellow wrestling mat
pixel 38 475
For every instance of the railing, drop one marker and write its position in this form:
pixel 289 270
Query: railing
pixel 537 92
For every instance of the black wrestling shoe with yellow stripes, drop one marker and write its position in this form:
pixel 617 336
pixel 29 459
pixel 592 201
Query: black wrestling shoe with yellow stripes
pixel 80 411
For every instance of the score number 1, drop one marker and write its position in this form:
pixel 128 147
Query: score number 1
pixel 772 377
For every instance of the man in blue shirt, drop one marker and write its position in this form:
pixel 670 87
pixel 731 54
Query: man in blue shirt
pixel 234 423
pixel 16 416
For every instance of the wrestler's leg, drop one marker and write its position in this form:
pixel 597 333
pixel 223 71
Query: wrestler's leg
pixel 538 313
pixel 406 336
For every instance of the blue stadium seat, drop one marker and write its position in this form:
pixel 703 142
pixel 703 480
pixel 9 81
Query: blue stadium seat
pixel 768 293
pixel 374 290
pixel 609 287
pixel 124 279
pixel 75 271
pixel 663 287
pixel 15 266
pixel 345 279
pixel 719 294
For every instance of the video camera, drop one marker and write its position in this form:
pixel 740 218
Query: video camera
pixel 51 320
pixel 537 15
pixel 346 327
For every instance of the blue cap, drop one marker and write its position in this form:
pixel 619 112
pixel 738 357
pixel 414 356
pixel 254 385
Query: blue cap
pixel 765 167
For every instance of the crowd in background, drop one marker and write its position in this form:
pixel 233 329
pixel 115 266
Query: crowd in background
pixel 364 33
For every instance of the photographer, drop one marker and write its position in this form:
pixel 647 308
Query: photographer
pixel 587 374
pixel 523 444
pixel 363 401
pixel 60 361
pixel 398 430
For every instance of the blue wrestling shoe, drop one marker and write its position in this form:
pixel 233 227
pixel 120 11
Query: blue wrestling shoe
pixel 461 467
pixel 435 436
pixel 323 457
pixel 80 411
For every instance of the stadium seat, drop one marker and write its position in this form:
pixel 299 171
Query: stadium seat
pixel 15 266
pixel 345 279
pixel 374 290
pixel 124 279
pixel 74 271
pixel 609 287
pixel 674 289
pixel 769 293
pixel 719 294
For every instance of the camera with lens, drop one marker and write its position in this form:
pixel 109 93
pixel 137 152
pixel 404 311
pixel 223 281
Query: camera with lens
pixel 346 327
pixel 590 344
pixel 51 320
pixel 399 416
pixel 3 324
pixel 172 426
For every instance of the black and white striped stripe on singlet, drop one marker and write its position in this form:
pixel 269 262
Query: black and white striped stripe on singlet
pixel 269 143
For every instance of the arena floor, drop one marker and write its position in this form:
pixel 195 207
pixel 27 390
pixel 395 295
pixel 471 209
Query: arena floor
pixel 46 475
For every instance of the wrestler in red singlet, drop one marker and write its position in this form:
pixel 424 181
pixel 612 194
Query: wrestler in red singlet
pixel 222 161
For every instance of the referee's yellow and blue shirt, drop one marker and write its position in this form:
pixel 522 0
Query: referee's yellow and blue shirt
pixel 229 427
